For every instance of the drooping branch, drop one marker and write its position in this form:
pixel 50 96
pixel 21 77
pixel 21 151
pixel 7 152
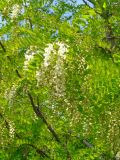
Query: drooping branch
pixel 8 126
pixel 66 148
pixel 29 19
pixel 2 46
pixel 109 34
pixel 30 22
pixel 87 144
pixel 109 38
pixel 18 74
pixel 39 151
pixel 41 116
pixel 6 122
pixel 86 3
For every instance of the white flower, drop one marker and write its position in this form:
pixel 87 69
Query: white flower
pixel 49 48
pixel 62 49
pixel 47 54
pixel 11 130
pixel 117 155
pixel 29 55
pixel 49 51
pixel 10 94
pixel 46 64
pixel 46 59
pixel 15 11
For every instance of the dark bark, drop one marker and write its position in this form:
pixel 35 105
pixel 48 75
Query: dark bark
pixel 87 144
pixel 2 46
pixel 39 151
pixel 18 74
pixel 40 115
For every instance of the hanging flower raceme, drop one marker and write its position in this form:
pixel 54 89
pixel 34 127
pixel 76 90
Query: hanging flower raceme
pixel 11 129
pixel 10 94
pixel 29 55
pixel 15 11
pixel 53 66
pixel 47 54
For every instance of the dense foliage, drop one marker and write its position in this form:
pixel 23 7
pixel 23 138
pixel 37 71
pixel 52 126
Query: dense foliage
pixel 60 80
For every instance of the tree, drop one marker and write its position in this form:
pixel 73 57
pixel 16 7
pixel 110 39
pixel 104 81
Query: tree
pixel 60 80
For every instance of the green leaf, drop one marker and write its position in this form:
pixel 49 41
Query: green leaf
pixel 104 5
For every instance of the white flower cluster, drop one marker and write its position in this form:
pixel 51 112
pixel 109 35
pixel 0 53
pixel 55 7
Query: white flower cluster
pixel 49 51
pixel 82 64
pixel 11 130
pixel 62 50
pixel 53 65
pixel 47 54
pixel 58 79
pixel 15 11
pixel 9 95
pixel 117 155
pixel 29 55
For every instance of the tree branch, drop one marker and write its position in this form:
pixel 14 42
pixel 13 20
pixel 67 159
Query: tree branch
pixel 2 46
pixel 39 151
pixel 86 3
pixel 85 142
pixel 40 115
pixel 18 74
pixel 29 19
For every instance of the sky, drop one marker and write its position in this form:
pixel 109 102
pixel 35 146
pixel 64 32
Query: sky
pixel 79 1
